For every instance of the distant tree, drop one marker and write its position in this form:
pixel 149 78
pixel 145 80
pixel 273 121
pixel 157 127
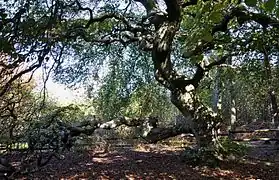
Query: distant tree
pixel 17 105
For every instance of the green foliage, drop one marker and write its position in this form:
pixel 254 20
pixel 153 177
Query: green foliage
pixel 106 54
pixel 48 130
pixel 251 3
pixel 149 100
pixel 145 100
pixel 208 37
pixel 208 156
pixel 127 88
pixel 17 107
pixel 270 5
pixel 230 147
pixel 190 155
pixel 201 156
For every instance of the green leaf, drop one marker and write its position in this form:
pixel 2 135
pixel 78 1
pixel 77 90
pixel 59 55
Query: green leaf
pixel 270 5
pixel 251 3
pixel 5 46
pixel 216 16
pixel 3 15
pixel 207 37
pixel 196 59
pixel 233 22
pixel 206 7
pixel 187 54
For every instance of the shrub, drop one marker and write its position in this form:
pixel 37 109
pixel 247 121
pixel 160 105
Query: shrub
pixel 230 147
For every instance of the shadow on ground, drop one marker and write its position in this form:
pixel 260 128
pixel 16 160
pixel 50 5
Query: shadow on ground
pixel 141 164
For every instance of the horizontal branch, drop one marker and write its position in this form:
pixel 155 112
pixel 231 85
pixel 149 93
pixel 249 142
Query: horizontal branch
pixel 202 69
pixel 151 133
pixel 88 127
pixel 243 16
pixel 158 134
pixel 40 60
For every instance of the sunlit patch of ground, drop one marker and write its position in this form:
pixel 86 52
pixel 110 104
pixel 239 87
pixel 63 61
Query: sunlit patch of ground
pixel 221 173
pixel 106 159
pixel 145 162
pixel 157 148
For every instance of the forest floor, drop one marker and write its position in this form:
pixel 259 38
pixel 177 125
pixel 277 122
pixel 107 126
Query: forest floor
pixel 156 162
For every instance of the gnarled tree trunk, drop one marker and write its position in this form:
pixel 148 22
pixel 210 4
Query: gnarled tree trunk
pixel 204 120
pixel 183 90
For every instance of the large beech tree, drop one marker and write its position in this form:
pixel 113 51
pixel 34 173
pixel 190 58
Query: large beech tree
pixel 47 33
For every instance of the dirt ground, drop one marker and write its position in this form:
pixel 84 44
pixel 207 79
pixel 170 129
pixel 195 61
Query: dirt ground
pixel 147 162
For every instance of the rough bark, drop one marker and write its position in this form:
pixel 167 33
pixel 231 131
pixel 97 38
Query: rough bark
pixel 183 90
pixel 151 133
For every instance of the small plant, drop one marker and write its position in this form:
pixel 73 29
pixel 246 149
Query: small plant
pixel 191 156
pixel 230 147
pixel 199 156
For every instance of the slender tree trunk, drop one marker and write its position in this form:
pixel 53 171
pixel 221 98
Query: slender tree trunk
pixel 271 92
pixel 275 114
pixel 232 108
pixel 232 105
pixel 216 100
pixel 232 114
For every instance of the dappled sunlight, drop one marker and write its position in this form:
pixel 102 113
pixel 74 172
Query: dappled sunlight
pixel 221 173
pixel 158 148
pixel 106 159
pixel 139 89
pixel 136 164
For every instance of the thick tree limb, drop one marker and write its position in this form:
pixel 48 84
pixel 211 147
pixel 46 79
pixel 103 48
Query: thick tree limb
pixel 158 134
pixel 147 4
pixel 174 10
pixel 88 127
pixel 202 69
pixel 151 132
pixel 41 58
pixel 243 16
